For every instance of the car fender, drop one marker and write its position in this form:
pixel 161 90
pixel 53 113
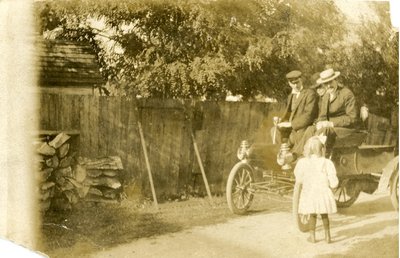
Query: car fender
pixel 387 173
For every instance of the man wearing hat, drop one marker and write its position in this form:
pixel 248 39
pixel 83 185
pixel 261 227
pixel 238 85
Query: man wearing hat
pixel 301 109
pixel 337 112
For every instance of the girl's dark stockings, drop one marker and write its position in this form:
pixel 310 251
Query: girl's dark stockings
pixel 313 222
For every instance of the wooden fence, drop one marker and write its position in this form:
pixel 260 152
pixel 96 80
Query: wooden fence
pixel 109 126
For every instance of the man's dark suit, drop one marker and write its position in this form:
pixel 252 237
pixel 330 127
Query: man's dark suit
pixel 341 111
pixel 301 112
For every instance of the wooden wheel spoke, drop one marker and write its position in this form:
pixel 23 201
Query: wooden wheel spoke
pixel 344 194
pixel 247 196
pixel 340 192
pixel 235 193
pixel 241 200
pixel 241 176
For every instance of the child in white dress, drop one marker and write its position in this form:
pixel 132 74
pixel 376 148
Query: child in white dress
pixel 317 176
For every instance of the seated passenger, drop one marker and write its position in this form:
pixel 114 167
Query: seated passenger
pixel 338 113
pixel 301 108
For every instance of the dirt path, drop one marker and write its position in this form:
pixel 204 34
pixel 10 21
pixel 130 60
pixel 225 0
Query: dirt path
pixel 367 229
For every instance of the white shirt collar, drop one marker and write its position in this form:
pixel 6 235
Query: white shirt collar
pixel 296 91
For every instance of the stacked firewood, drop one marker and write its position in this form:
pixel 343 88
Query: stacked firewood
pixel 64 179
pixel 55 167
pixel 103 176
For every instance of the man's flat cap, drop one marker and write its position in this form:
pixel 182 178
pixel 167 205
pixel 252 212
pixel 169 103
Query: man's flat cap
pixel 293 75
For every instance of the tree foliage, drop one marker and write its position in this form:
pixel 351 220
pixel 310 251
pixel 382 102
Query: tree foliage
pixel 192 48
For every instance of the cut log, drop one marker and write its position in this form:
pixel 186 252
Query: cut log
pixel 74 182
pixel 66 186
pixel 80 173
pixel 44 174
pixel 60 180
pixel 46 150
pixel 104 181
pixel 47 185
pixel 53 162
pixel 94 172
pixel 59 140
pixel 66 162
pixel 65 172
pixel 110 193
pixel 45 195
pixel 71 196
pixel 49 191
pixel 63 150
pixel 95 191
pixel 105 172
pixel 83 191
pixel 111 162
pixel 110 173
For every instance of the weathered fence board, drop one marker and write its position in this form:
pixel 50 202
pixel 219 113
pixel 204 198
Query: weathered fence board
pixel 109 126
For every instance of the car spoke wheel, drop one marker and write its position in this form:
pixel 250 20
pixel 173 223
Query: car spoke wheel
pixel 346 194
pixel 301 220
pixel 239 192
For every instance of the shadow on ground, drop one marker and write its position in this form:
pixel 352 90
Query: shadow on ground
pixel 92 227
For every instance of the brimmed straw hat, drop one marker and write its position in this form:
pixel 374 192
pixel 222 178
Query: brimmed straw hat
pixel 327 76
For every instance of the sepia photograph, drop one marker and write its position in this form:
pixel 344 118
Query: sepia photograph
pixel 199 128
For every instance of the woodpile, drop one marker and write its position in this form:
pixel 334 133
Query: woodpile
pixel 64 179
pixel 103 176
pixel 55 168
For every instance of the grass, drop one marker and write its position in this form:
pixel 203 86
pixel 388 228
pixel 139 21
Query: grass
pixel 90 227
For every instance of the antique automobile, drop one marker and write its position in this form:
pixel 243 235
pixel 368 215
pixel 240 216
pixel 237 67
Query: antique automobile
pixel 268 168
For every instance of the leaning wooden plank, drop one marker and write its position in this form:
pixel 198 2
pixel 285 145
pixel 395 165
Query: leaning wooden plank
pixel 153 191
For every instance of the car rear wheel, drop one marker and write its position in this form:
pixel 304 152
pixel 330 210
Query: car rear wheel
pixel 346 193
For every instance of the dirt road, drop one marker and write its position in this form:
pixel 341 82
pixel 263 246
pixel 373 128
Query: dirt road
pixel 369 228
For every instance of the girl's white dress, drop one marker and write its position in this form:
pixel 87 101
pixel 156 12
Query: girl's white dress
pixel 318 176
